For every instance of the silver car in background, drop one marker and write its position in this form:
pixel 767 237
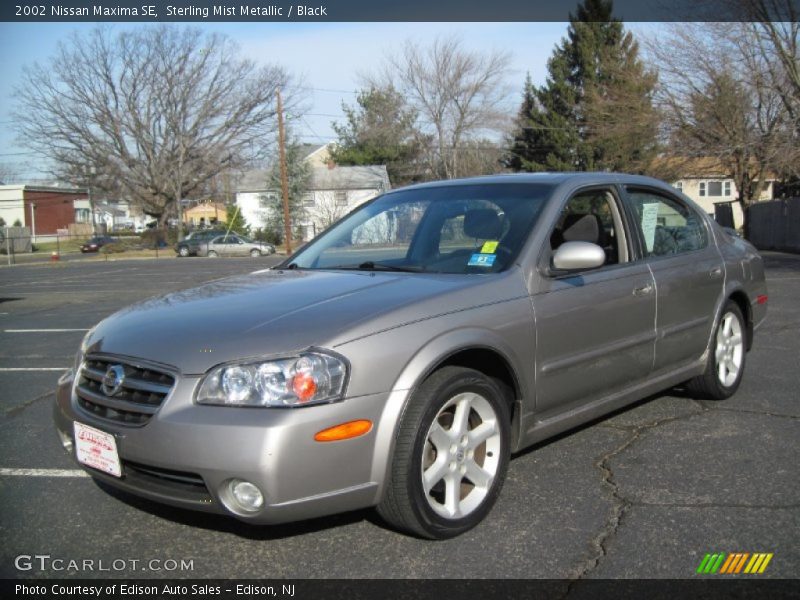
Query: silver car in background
pixel 231 244
pixel 399 359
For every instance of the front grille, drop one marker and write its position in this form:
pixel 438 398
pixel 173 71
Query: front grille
pixel 137 399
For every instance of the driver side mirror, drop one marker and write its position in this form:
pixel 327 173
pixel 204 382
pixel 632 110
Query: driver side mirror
pixel 578 256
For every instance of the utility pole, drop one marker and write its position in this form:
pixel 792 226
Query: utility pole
pixel 287 225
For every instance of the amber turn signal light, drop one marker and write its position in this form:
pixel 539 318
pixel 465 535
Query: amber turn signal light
pixel 344 431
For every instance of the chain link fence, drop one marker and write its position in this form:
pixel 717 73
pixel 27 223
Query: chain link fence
pixel 17 244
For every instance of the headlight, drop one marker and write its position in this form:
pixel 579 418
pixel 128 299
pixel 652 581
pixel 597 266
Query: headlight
pixel 311 378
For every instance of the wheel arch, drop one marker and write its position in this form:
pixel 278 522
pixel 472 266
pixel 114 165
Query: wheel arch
pixel 740 298
pixel 478 349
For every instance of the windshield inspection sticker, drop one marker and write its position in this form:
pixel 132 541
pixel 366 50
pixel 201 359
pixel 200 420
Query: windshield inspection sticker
pixel 481 260
pixel 489 247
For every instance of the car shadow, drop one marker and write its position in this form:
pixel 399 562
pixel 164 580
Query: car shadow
pixel 231 525
pixel 676 392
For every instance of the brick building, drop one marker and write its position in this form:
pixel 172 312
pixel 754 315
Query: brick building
pixel 51 208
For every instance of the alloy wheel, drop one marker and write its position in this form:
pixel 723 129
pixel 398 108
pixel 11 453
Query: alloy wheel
pixel 729 350
pixel 461 456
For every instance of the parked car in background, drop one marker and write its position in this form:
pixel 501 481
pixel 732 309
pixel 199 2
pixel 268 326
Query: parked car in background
pixel 97 242
pixel 233 245
pixel 401 357
pixel 189 245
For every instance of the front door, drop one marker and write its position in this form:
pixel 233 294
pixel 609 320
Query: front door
pixel 595 329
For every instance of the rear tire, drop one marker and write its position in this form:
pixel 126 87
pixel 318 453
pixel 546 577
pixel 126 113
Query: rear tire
pixel 451 455
pixel 726 358
pixel 183 251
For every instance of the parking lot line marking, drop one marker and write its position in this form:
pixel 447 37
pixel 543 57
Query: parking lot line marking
pixel 12 369
pixel 41 330
pixel 42 473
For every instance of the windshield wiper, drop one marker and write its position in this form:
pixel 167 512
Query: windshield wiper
pixel 373 266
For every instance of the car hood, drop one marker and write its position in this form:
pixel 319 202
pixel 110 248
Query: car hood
pixel 277 313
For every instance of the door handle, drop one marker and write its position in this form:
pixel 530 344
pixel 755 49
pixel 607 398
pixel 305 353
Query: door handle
pixel 643 290
pixel 715 273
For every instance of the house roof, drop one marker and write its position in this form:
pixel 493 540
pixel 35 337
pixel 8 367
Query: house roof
pixel 372 177
pixel 254 180
pixel 204 209
pixel 697 167
pixel 27 187
pixel 350 178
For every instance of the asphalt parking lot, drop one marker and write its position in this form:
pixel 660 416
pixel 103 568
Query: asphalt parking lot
pixel 644 493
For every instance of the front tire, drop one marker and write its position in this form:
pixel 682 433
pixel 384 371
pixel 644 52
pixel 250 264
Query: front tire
pixel 212 254
pixel 183 251
pixel 451 455
pixel 255 253
pixel 726 360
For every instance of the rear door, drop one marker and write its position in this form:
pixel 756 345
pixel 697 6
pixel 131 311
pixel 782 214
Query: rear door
pixel 687 268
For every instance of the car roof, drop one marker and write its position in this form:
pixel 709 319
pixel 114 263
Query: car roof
pixel 551 178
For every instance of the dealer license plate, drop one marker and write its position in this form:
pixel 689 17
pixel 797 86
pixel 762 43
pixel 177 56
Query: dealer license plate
pixel 97 449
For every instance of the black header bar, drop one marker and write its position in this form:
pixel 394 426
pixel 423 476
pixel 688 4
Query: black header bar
pixel 371 10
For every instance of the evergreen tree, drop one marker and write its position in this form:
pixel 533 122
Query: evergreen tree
pixel 235 222
pixel 522 143
pixel 595 111
pixel 298 174
pixel 381 130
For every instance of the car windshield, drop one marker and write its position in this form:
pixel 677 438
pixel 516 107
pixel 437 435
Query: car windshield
pixel 448 229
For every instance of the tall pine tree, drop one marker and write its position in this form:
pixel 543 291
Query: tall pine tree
pixel 595 111
pixel 521 145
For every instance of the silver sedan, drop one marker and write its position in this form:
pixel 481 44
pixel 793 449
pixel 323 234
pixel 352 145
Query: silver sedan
pixel 400 358
pixel 233 245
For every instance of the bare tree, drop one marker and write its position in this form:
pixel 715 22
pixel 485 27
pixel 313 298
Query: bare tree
pixel 458 95
pixel 157 112
pixel 775 25
pixel 8 173
pixel 717 92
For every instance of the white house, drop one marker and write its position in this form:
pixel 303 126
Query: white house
pixel 706 181
pixel 332 192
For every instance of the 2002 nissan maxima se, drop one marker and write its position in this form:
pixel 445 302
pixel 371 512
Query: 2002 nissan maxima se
pixel 400 358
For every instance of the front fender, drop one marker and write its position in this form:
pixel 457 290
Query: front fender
pixel 427 358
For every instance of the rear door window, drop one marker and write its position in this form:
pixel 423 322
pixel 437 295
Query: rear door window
pixel 668 225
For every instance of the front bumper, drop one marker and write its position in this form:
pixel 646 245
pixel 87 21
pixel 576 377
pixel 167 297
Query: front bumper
pixel 186 454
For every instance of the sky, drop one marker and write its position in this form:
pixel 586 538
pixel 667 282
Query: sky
pixel 328 58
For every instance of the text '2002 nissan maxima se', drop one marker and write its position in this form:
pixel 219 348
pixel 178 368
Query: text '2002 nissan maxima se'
pixel 400 358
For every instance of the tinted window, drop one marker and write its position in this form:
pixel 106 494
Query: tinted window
pixel 668 226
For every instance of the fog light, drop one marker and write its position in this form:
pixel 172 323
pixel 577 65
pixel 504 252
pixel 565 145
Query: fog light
pixel 246 495
pixel 66 441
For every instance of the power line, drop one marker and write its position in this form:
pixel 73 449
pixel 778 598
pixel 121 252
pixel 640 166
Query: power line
pixel 330 91
pixel 318 136
pixel 323 115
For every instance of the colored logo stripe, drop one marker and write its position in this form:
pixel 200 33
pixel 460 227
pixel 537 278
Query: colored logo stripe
pixel 734 563
pixel 711 562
